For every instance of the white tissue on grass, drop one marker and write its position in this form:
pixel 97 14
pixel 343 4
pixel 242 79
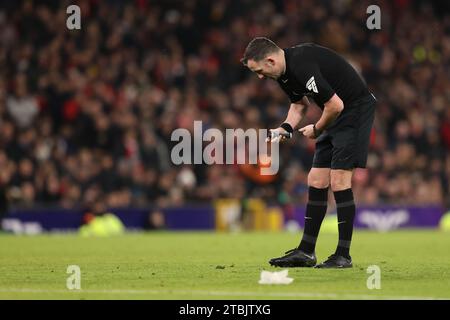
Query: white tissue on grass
pixel 280 277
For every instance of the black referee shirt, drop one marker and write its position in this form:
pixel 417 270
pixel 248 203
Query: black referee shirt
pixel 319 73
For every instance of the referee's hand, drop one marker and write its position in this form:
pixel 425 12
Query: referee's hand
pixel 277 135
pixel 308 131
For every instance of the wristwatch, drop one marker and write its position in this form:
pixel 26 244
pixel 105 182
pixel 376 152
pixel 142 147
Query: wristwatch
pixel 317 132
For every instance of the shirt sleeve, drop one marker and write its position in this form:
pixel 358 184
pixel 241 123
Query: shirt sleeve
pixel 310 76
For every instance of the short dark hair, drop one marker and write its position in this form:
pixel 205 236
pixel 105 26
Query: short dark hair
pixel 258 49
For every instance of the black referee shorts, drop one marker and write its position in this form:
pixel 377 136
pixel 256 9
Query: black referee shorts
pixel 345 144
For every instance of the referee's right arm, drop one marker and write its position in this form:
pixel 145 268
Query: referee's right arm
pixel 296 112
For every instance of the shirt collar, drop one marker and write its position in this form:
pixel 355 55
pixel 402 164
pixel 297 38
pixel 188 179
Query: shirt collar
pixel 286 73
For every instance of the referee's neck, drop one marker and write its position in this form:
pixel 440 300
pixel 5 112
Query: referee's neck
pixel 284 62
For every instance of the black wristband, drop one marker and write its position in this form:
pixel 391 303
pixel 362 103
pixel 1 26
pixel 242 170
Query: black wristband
pixel 316 131
pixel 286 126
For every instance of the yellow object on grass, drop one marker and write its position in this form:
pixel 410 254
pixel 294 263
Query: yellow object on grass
pixel 444 223
pixel 103 226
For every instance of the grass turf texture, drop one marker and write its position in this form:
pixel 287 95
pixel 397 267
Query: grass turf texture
pixel 185 265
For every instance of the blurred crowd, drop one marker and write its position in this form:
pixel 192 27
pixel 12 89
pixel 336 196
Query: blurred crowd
pixel 87 115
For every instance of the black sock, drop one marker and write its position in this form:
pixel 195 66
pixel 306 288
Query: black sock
pixel 346 213
pixel 315 212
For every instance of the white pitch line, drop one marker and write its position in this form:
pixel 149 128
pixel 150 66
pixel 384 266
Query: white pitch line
pixel 226 293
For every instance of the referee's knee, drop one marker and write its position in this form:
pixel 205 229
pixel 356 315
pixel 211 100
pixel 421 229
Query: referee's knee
pixel 318 181
pixel 340 180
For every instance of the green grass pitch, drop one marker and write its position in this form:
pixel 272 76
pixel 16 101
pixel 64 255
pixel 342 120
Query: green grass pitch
pixel 197 265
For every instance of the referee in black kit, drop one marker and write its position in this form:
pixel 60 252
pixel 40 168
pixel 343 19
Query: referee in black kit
pixel 342 133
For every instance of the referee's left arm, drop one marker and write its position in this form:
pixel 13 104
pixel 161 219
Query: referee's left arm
pixel 331 111
pixel 324 95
